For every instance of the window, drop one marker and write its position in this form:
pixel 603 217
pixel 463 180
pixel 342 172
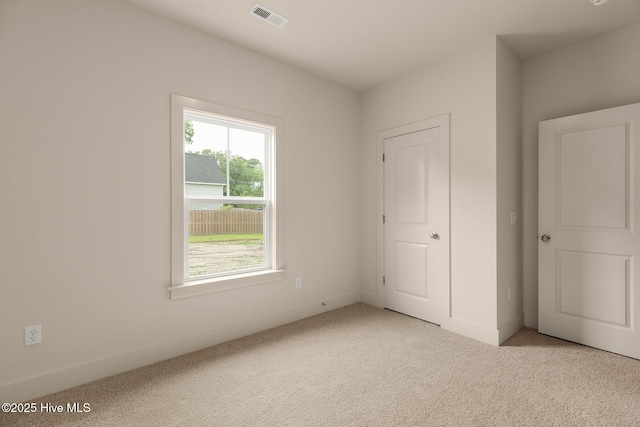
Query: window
pixel 225 227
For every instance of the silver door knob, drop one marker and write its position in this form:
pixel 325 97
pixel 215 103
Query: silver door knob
pixel 545 238
pixel 434 235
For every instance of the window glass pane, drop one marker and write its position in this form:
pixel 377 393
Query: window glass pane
pixel 240 149
pixel 205 165
pixel 246 163
pixel 227 239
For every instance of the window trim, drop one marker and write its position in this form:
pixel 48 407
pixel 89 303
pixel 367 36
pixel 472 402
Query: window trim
pixel 181 288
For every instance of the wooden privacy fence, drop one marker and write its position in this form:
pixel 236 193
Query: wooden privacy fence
pixel 232 221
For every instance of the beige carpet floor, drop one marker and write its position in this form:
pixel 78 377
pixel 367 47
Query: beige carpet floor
pixel 363 366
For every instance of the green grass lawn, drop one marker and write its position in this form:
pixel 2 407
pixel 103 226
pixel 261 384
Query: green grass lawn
pixel 246 238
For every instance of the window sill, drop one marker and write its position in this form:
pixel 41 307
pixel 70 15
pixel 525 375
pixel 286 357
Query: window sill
pixel 220 284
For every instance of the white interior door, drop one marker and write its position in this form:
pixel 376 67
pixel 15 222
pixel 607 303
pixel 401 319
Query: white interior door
pixel 411 229
pixel 588 245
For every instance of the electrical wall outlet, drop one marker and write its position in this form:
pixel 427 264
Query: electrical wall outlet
pixel 298 282
pixel 508 294
pixel 32 335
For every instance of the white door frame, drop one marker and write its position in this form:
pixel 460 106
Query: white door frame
pixel 445 276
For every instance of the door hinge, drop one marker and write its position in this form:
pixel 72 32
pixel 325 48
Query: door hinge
pixel 384 280
pixel 384 218
pixel 383 157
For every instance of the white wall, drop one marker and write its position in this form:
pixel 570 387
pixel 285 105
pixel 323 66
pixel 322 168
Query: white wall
pixel 593 75
pixel 509 191
pixel 84 122
pixel 464 86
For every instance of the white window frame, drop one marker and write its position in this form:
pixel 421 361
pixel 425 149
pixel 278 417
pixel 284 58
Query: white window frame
pixel 181 285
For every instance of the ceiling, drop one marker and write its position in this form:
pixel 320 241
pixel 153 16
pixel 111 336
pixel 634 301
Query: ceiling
pixel 363 43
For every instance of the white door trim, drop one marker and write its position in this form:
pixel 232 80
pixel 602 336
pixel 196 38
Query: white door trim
pixel 445 277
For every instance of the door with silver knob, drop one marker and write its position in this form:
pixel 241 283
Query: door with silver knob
pixel 589 252
pixel 412 250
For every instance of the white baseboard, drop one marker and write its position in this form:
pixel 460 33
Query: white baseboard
pixel 483 333
pixel 51 382
pixel 471 330
pixel 531 320
pixel 509 329
pixel 371 299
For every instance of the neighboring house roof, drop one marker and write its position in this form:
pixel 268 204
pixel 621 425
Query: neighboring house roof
pixel 204 169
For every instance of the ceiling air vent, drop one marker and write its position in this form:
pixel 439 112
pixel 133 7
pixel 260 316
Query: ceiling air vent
pixel 266 14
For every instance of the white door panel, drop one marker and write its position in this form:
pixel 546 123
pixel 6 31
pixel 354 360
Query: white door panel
pixel 593 286
pixel 593 175
pixel 587 191
pixel 411 267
